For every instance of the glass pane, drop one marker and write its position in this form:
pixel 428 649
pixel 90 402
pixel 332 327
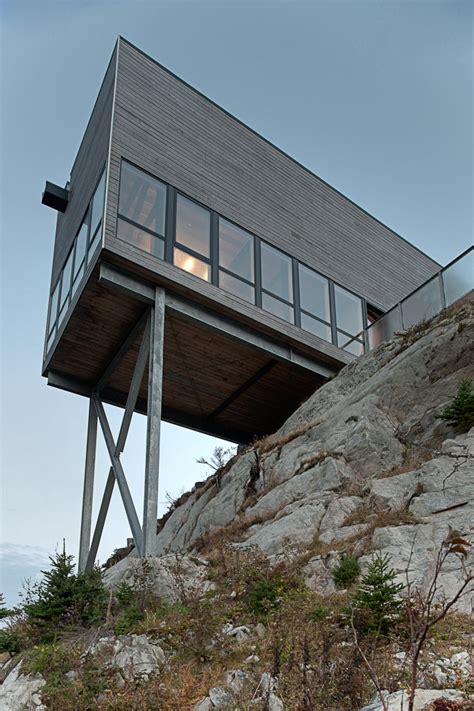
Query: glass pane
pixel 81 243
pixel 236 250
pixel 458 279
pixel 276 272
pixel 423 304
pixel 98 204
pixel 54 306
pixel 62 313
pixel 314 293
pixel 384 328
pixel 66 280
pixel 93 246
pixel 348 311
pixel 314 326
pixel 51 338
pixel 77 279
pixel 191 264
pixel 142 198
pixel 193 225
pixel 277 307
pixel 140 238
pixel 349 345
pixel 237 287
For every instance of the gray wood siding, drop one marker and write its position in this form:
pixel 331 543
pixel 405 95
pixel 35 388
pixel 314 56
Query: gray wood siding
pixel 90 160
pixel 175 133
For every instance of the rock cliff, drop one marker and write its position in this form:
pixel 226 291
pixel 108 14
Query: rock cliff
pixel 364 464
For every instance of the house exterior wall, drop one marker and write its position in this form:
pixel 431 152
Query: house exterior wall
pixel 170 130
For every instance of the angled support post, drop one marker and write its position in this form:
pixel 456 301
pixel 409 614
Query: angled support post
pixel 119 475
pixel 155 396
pixel 124 428
pixel 87 497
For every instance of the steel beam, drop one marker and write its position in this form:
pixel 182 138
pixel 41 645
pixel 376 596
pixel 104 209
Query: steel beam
pixel 119 476
pixel 155 396
pixel 122 351
pixel 245 386
pixel 88 493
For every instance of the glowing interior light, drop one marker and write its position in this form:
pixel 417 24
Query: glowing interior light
pixel 188 264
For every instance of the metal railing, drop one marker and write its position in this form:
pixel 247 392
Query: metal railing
pixel 440 291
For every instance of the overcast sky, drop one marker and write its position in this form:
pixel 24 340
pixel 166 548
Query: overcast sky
pixel 375 97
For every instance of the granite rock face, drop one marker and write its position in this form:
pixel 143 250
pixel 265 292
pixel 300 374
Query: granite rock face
pixel 365 465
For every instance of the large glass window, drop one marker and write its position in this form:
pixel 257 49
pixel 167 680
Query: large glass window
pixel 142 211
pixel 236 261
pixel 142 199
pixel 66 280
pixel 277 273
pixel 193 226
pixel 53 312
pixel 314 303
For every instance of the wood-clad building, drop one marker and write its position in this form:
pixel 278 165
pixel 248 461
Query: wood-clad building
pixel 264 276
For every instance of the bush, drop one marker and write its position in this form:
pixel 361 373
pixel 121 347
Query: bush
pixel 378 595
pixel 9 642
pixel 63 598
pixel 346 572
pixel 266 595
pixel 460 412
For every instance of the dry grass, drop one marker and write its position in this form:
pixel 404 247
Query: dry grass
pixel 413 459
pixel 276 441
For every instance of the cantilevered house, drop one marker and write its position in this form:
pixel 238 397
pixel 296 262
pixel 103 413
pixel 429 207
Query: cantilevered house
pixel 201 275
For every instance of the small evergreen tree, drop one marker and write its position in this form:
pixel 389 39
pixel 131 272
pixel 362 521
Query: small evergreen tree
pixel 63 598
pixel 346 572
pixel 460 412
pixel 378 595
pixel 4 611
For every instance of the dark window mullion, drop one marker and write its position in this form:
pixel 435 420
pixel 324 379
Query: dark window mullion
pixel 332 312
pixel 170 225
pixel 214 248
pixel 258 272
pixel 296 293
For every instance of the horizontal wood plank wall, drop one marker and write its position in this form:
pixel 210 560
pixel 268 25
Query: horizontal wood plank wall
pixel 87 168
pixel 172 131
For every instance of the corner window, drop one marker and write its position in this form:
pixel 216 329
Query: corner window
pixel 142 210
pixel 191 264
pixel 98 205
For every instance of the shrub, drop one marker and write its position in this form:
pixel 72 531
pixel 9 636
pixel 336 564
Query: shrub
pixel 378 595
pixel 346 572
pixel 9 642
pixel 63 598
pixel 460 412
pixel 265 595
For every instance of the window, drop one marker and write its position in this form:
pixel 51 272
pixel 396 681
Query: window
pixel 66 280
pixel 142 210
pixel 314 303
pixel 349 321
pixel 191 264
pixel 98 205
pixel 193 238
pixel 277 282
pixel 236 261
pixel 53 312
pixel 193 226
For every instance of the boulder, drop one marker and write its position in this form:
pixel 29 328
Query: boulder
pixel 134 655
pixel 21 692
pixel 398 701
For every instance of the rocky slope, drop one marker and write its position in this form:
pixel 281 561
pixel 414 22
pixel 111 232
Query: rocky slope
pixel 364 464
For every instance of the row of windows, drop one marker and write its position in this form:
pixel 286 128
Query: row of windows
pixel 84 246
pixel 167 224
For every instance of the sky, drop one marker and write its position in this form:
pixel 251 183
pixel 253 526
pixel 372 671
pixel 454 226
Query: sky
pixel 374 96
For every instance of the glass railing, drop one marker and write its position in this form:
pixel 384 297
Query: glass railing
pixel 447 286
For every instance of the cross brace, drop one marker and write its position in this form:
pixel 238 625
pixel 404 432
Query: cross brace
pixel 151 325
